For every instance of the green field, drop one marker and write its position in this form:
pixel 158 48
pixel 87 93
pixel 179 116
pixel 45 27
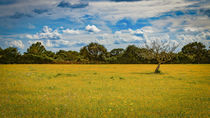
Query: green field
pixel 97 91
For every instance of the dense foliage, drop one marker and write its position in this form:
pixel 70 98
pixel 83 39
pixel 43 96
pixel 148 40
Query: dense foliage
pixel 95 53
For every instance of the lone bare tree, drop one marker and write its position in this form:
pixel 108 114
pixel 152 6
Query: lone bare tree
pixel 161 51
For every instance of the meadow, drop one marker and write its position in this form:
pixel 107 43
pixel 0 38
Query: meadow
pixel 104 91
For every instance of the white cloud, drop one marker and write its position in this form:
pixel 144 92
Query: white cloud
pixel 113 11
pixel 127 36
pixel 104 10
pixel 29 36
pixel 149 29
pixel 138 31
pixel 118 39
pixel 16 43
pixel 191 29
pixel 186 23
pixel 47 33
pixel 49 43
pixel 110 10
pixel 186 28
pixel 30 42
pixel 92 28
pixel 62 42
pixel 69 31
pixel 26 6
pixel 186 38
pixel 121 38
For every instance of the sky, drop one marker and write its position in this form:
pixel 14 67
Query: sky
pixel 72 24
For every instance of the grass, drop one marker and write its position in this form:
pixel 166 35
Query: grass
pixel 104 91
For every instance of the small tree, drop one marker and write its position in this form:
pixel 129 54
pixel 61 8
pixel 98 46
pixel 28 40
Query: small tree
pixel 161 51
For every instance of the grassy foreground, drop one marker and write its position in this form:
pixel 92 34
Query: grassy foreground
pixel 112 91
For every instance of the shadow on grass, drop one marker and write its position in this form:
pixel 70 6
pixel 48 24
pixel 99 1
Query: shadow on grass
pixel 64 75
pixel 120 78
pixel 148 73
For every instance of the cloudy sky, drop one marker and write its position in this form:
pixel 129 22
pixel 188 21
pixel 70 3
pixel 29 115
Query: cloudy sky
pixel 72 24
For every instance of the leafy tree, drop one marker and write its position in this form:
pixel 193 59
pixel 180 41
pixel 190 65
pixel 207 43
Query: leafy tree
pixel 9 55
pixel 155 52
pixel 1 52
pixel 94 52
pixel 82 60
pixel 131 54
pixel 36 59
pixel 184 59
pixel 196 50
pixel 73 55
pixel 161 51
pixel 67 55
pixel 208 57
pixel 117 52
pixel 37 54
pixel 134 55
pixel 49 54
pixel 61 55
pixel 114 55
pixel 36 49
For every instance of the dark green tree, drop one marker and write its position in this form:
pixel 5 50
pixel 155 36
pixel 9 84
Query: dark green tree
pixel 67 55
pixel 1 52
pixel 61 55
pixel 114 55
pixel 9 55
pixel 94 52
pixel 49 54
pixel 196 50
pixel 134 55
pixel 73 55
pixel 184 59
pixel 36 59
pixel 208 56
pixel 131 55
pixel 117 52
pixel 37 54
pixel 36 49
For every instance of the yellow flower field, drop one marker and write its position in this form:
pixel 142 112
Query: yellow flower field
pixel 104 91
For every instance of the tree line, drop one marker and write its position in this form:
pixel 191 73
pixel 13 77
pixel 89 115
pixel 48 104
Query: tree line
pixel 94 53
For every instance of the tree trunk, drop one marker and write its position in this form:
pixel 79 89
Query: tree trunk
pixel 157 69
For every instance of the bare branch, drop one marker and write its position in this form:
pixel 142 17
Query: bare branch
pixel 162 50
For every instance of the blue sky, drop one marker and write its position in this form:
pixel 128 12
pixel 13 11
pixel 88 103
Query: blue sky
pixel 71 24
